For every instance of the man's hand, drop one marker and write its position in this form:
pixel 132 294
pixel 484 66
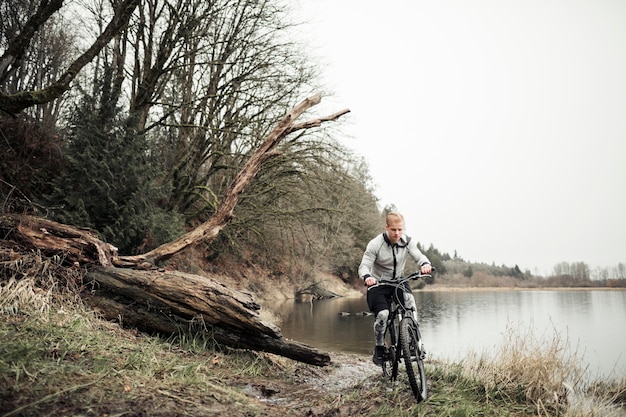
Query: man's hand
pixel 369 281
pixel 426 269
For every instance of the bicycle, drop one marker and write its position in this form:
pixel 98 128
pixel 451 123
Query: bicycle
pixel 403 340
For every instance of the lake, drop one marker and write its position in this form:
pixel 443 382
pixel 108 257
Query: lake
pixel 453 322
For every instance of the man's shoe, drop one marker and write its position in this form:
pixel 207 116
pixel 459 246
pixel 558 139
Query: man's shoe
pixel 379 354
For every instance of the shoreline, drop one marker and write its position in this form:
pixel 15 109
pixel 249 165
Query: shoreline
pixel 436 288
pixel 430 288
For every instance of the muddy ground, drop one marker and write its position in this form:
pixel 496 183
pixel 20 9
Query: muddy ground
pixel 335 390
pixel 339 390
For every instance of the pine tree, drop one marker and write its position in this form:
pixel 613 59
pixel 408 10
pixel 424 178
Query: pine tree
pixel 110 181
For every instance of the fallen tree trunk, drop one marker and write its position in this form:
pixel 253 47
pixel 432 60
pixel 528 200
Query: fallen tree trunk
pixel 189 296
pixel 168 302
pixel 154 300
pixel 74 245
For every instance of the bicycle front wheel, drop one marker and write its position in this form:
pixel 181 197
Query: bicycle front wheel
pixel 410 339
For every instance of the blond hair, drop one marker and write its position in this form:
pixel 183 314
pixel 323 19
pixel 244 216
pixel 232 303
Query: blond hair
pixel 393 215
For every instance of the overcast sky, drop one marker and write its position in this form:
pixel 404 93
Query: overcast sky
pixel 498 127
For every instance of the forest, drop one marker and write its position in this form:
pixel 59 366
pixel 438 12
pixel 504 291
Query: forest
pixel 135 125
pixel 131 118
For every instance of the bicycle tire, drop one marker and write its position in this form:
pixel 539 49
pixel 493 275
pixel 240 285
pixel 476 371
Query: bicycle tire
pixel 410 343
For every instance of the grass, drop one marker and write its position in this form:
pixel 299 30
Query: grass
pixel 526 377
pixel 65 362
pixel 58 358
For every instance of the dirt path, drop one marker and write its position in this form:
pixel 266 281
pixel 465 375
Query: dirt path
pixel 318 392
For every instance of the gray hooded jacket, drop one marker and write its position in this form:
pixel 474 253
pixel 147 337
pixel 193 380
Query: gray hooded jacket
pixel 381 260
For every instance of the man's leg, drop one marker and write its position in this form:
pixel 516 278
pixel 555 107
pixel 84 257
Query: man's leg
pixel 378 304
pixel 380 325
pixel 409 303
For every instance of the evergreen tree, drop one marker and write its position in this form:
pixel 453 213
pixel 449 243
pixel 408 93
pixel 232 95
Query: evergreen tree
pixel 468 272
pixel 110 181
pixel 436 259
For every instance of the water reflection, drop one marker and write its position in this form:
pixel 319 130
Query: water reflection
pixel 453 322
pixel 321 324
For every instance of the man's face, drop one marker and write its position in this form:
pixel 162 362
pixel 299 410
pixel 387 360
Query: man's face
pixel 395 228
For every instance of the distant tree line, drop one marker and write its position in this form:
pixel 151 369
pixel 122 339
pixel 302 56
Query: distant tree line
pixel 459 272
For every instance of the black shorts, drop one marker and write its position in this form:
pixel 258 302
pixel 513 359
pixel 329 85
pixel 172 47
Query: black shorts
pixel 379 297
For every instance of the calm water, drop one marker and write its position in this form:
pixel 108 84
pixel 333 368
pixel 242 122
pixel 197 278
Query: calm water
pixel 453 322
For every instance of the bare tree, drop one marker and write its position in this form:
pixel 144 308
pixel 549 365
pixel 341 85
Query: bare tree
pixel 44 57
pixel 230 87
pixel 223 214
pixel 16 101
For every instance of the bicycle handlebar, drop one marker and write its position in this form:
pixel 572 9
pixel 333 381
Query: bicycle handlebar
pixel 413 276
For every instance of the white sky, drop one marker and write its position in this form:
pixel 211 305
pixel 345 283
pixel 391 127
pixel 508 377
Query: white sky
pixel 498 127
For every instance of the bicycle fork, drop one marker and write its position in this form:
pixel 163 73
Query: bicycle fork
pixel 420 345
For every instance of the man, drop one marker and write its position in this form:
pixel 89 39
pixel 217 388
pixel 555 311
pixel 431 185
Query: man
pixel 384 258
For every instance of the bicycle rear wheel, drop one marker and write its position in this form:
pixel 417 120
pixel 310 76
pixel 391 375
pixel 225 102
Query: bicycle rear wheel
pixel 411 352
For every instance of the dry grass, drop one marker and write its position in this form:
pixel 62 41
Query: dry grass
pixel 57 360
pixel 57 357
pixel 544 372
pixel 34 279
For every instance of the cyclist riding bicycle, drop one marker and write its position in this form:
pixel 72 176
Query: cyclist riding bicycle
pixel 384 259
